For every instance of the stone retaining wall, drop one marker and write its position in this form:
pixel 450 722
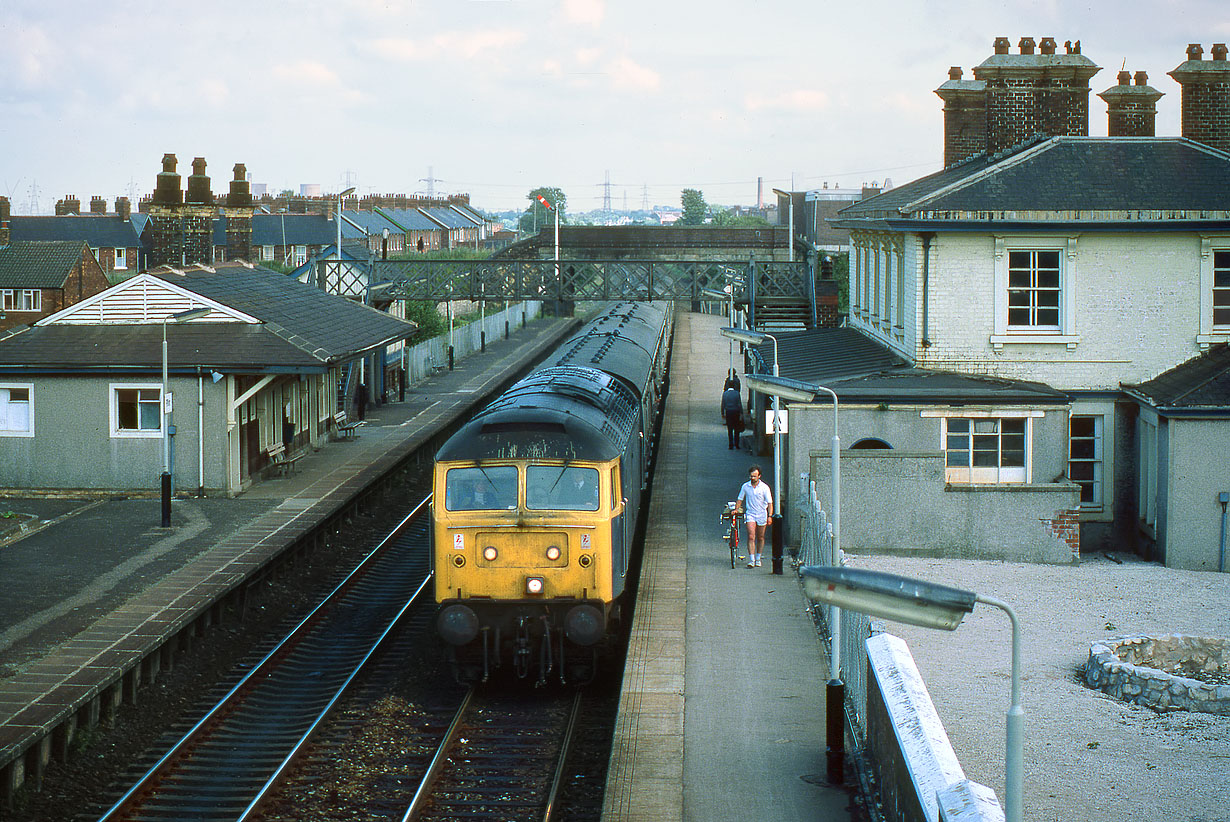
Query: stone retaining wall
pixel 1150 671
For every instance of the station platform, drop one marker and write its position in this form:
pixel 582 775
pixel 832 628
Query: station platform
pixel 722 713
pixel 93 588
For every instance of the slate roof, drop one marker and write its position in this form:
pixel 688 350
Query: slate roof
pixel 303 329
pixel 411 219
pixel 26 264
pixel 100 231
pixel 370 223
pixel 860 369
pixel 267 229
pixel 1070 177
pixel 1202 382
pixel 450 217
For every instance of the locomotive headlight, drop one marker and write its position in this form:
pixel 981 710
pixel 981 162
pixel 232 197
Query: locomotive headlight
pixel 553 553
pixel 533 585
pixel 459 560
pixel 489 553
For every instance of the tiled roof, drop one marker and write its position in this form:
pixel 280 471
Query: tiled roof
pixel 858 368
pixel 302 328
pixel 97 231
pixel 26 264
pixel 1201 382
pixel 411 219
pixel 333 326
pixel 1067 174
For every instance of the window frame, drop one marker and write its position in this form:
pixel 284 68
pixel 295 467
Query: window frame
pixel 113 408
pixel 1212 332
pixel 5 430
pixel 120 259
pixel 987 475
pixel 1098 483
pixel 21 300
pixel 1062 334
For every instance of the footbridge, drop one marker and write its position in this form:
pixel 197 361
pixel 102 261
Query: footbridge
pixel 752 266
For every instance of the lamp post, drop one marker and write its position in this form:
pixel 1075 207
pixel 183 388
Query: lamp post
pixel 756 338
pixel 928 605
pixel 384 243
pixel 182 316
pixel 835 690
pixel 727 293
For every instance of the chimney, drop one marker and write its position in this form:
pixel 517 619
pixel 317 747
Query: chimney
pixel 4 222
pixel 965 116
pixel 198 184
pixel 123 208
pixel 1028 94
pixel 98 205
pixel 1131 109
pixel 166 189
pixel 238 212
pixel 1205 96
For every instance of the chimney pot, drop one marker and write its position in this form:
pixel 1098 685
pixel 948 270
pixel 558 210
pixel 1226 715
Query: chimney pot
pixel 954 73
pixel 1001 45
pixel 1142 79
pixel 1027 45
pixel 1125 78
pixel 1219 51
pixel 1047 46
pixel 1195 51
pixel 1076 47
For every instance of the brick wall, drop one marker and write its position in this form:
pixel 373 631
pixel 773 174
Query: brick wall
pixel 1066 526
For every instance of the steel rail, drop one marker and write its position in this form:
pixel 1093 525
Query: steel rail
pixel 262 669
pixel 557 780
pixel 438 761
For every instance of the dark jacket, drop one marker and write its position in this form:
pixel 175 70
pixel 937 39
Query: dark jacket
pixel 731 403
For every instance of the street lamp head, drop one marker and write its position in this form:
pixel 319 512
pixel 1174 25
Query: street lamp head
pixel 743 335
pixel 385 233
pixel 347 192
pixel 190 314
pixel 715 295
pixel 888 596
pixel 782 387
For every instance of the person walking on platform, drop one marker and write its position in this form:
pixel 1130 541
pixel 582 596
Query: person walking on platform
pixel 732 411
pixel 732 381
pixel 756 502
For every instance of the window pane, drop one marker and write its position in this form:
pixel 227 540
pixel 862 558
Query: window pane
pixel 1079 471
pixel 1018 259
pixel 1083 449
pixel 1048 316
pixel 1048 259
pixel 1019 279
pixel 481 489
pixel 149 416
pixel 1221 259
pixel 558 487
pixel 957 459
pixel 1082 426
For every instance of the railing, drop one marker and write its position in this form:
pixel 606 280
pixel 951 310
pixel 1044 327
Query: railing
pixel 428 357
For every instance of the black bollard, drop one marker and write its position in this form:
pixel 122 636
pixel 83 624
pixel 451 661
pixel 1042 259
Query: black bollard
pixel 506 329
pixel 450 358
pixel 835 728
pixel 482 342
pixel 778 539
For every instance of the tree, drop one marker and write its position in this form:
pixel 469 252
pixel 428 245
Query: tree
pixel 726 218
pixel 537 216
pixel 695 209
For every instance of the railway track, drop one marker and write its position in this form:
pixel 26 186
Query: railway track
pixel 503 757
pixel 233 756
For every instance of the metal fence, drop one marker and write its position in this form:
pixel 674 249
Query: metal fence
pixel 816 548
pixel 431 356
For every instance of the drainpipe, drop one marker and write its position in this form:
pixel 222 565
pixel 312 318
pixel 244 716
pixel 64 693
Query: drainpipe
pixel 1223 498
pixel 200 432
pixel 927 236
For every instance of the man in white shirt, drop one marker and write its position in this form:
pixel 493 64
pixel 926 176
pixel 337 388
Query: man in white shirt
pixel 756 500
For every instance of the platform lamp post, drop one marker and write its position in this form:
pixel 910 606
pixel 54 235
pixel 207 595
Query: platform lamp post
pixel 835 690
pixel 756 338
pixel 182 316
pixel 916 602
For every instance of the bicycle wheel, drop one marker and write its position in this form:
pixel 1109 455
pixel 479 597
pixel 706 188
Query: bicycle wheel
pixel 733 539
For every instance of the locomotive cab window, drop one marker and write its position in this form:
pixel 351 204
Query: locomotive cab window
pixel 561 487
pixel 481 489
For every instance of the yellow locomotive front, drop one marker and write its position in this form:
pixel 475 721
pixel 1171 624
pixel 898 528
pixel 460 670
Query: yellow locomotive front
pixel 530 557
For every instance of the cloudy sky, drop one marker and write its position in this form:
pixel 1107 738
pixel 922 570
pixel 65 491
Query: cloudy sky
pixel 495 97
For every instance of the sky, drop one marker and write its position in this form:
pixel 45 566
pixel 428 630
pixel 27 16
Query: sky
pixel 496 97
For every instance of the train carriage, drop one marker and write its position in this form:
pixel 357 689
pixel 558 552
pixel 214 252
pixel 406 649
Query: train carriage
pixel 536 501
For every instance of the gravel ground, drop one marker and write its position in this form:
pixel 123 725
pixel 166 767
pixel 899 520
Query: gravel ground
pixel 1087 756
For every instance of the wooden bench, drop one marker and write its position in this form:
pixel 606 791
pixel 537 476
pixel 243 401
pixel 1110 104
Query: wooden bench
pixel 346 429
pixel 280 461
pixel 435 367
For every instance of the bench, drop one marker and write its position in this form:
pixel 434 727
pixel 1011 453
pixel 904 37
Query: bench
pixel 435 367
pixel 280 461
pixel 346 429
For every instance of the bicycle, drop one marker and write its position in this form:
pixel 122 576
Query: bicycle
pixel 733 518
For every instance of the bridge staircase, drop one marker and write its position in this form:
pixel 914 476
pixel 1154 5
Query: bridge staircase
pixel 782 314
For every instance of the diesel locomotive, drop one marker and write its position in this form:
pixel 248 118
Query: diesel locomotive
pixel 536 501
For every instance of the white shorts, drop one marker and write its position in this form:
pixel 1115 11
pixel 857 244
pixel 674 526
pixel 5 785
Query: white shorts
pixel 761 521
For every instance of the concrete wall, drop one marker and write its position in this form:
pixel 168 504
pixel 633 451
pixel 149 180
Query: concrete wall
pixel 897 501
pixel 72 446
pixel 1198 471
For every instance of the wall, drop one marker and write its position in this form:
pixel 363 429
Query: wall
pixel 897 501
pixel 1197 473
pixel 1157 287
pixel 72 446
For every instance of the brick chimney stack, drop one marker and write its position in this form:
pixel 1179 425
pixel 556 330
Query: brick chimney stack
pixel 123 208
pixel 965 116
pixel 69 205
pixel 197 216
pixel 1206 96
pixel 1131 109
pixel 4 222
pixel 238 211
pixel 1033 93
pixel 98 205
pixel 167 241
